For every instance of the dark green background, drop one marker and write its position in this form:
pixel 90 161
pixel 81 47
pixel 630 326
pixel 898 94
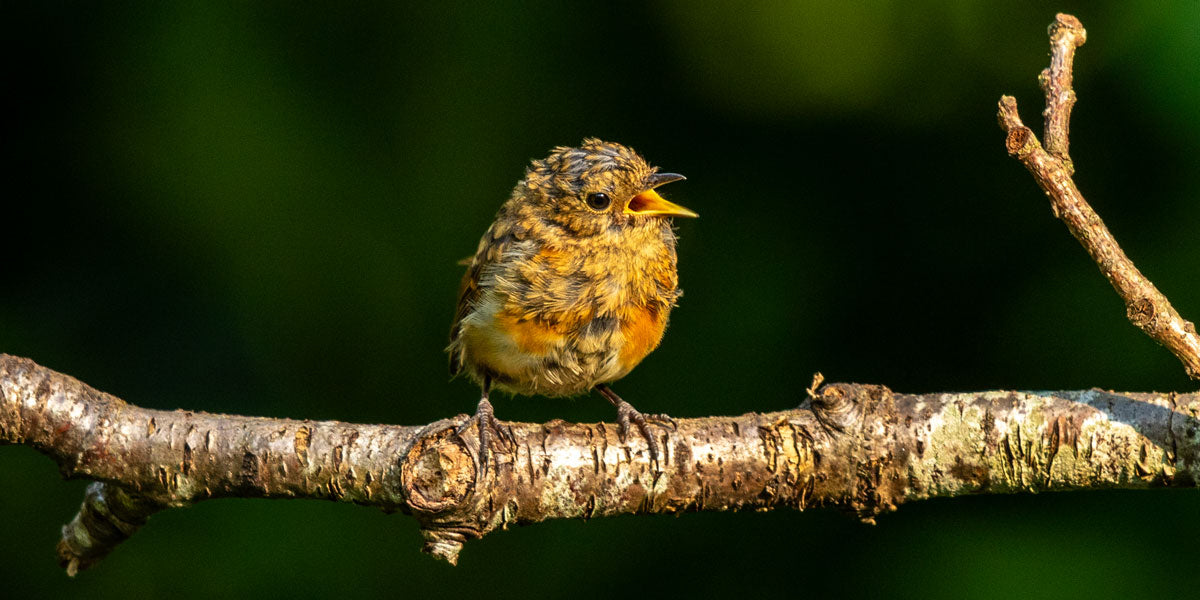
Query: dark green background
pixel 257 208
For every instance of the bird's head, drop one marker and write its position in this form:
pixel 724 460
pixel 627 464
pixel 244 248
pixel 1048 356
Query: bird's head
pixel 597 187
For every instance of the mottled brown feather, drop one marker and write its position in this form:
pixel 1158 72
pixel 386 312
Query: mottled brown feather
pixel 561 296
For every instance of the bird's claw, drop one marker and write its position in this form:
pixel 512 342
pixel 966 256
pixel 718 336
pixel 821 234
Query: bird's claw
pixel 664 420
pixel 489 426
pixel 627 415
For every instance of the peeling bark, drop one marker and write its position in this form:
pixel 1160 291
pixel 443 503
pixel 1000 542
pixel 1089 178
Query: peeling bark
pixel 857 448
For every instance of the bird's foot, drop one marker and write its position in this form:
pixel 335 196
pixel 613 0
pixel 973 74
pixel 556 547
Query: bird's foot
pixel 628 416
pixel 490 428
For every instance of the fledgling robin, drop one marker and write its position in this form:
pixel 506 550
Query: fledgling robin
pixel 571 286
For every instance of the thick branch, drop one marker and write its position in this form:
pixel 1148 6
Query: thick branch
pixel 858 448
pixel 1145 306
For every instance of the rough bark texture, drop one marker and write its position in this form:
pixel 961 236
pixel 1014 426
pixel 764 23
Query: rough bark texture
pixel 858 448
pixel 1145 306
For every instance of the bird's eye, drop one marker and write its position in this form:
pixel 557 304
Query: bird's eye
pixel 598 200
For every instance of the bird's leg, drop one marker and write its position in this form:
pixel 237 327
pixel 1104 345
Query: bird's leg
pixel 489 425
pixel 627 414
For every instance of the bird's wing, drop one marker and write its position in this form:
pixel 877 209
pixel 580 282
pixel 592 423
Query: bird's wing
pixel 468 294
pixel 498 240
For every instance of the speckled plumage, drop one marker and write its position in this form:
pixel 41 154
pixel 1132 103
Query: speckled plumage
pixel 559 296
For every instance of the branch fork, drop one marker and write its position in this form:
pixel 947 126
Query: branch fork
pixel 1145 306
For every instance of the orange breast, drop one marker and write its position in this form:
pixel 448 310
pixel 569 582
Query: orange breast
pixel 642 328
pixel 531 336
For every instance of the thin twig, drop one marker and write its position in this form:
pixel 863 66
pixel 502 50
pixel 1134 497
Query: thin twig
pixel 1145 306
pixel 1066 34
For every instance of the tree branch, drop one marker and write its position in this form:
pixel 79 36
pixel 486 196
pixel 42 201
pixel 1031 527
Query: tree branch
pixel 1145 306
pixel 858 448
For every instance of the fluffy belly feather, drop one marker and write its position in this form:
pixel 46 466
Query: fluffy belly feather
pixel 532 356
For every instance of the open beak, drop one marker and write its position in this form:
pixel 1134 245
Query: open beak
pixel 649 203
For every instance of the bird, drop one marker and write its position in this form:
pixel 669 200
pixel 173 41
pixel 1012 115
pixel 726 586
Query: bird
pixel 571 286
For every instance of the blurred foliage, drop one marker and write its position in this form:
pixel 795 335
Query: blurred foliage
pixel 257 208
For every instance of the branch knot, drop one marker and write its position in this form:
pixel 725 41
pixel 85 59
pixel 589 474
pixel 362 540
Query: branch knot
pixel 1020 142
pixel 438 473
pixel 845 407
